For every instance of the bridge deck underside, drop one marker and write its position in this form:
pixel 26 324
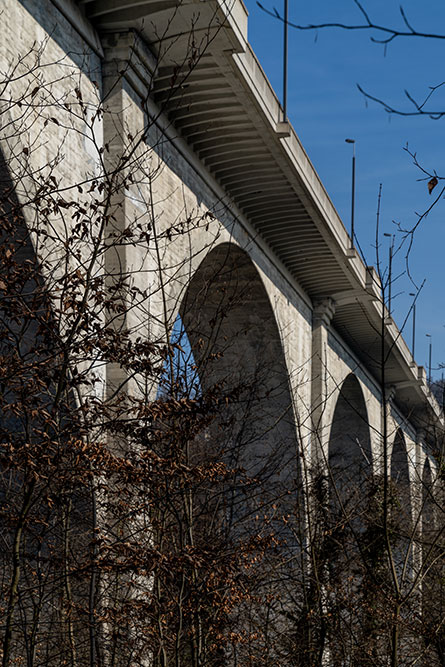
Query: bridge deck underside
pixel 208 113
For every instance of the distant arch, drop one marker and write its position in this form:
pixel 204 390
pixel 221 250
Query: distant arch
pixel 350 454
pixel 400 478
pixel 399 460
pixel 350 492
pixel 429 528
pixel 401 508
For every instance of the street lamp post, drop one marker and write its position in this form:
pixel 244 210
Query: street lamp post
pixel 429 357
pixel 414 324
pixel 352 141
pixel 285 57
pixel 391 248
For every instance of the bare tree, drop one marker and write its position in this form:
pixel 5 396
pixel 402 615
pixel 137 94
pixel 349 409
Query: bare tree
pixel 158 502
pixel 145 475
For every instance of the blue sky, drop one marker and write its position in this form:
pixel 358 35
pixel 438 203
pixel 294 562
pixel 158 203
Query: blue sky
pixel 325 107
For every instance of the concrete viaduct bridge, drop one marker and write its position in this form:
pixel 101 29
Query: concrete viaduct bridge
pixel 313 304
pixel 304 308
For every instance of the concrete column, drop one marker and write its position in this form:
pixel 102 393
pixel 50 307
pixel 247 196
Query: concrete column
pixel 419 461
pixel 126 157
pixel 321 320
pixel 387 432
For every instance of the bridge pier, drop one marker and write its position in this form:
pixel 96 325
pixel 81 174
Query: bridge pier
pixel 321 382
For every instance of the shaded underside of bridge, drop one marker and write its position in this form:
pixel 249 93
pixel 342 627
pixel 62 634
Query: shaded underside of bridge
pixel 209 83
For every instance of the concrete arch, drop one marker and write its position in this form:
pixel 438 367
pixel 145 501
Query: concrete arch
pixel 400 477
pixel 400 469
pixel 237 347
pixel 351 493
pixel 239 354
pixel 401 508
pixel 349 454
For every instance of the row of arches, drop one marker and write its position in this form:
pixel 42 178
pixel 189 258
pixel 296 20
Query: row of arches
pixel 235 344
pixel 236 349
pixel 233 336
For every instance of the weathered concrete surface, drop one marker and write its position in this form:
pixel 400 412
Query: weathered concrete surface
pixel 204 128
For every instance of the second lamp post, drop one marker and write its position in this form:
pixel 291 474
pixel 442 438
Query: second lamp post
pixel 352 141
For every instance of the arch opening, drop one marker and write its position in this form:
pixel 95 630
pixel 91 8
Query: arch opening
pixel 179 375
pixel 350 543
pixel 350 456
pixel 237 348
pixel 401 509
pixel 231 362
